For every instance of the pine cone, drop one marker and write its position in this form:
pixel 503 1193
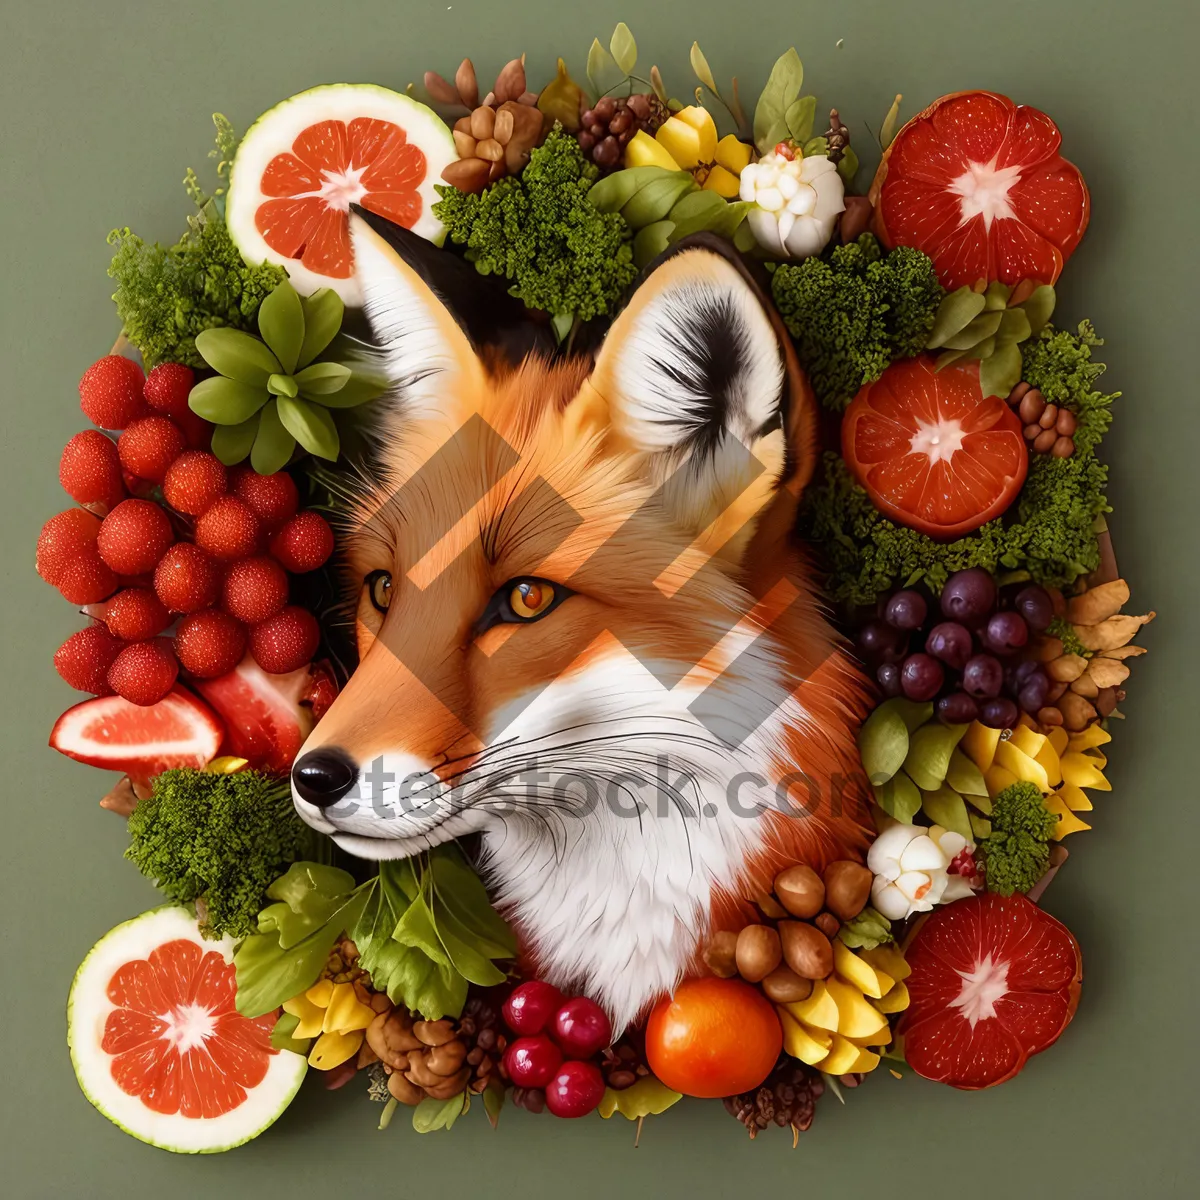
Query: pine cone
pixel 837 137
pixel 624 1063
pixel 480 1030
pixel 788 1096
pixel 531 1099
pixel 606 128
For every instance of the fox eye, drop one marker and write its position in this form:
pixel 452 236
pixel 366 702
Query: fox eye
pixel 530 598
pixel 379 588
pixel 521 601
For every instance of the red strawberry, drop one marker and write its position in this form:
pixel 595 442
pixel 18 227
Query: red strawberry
pixel 210 643
pixel 87 579
pixel 136 614
pixel 167 388
pixel 228 529
pixel 84 658
pixel 90 470
pixel 186 579
pixel 144 672
pixel 286 641
pixel 149 446
pixel 254 589
pixel 304 543
pixel 65 536
pixel 272 498
pixel 193 481
pixel 110 392
pixel 134 536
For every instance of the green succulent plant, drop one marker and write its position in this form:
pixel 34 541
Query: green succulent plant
pixel 983 323
pixel 273 392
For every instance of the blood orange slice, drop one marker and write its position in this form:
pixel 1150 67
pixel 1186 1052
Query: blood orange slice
pixel 994 980
pixel 159 1047
pixel 977 183
pixel 931 450
pixel 303 163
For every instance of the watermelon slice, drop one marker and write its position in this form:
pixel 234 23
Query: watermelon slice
pixel 994 980
pixel 109 732
pixel 931 450
pixel 977 183
pixel 303 163
pixel 159 1047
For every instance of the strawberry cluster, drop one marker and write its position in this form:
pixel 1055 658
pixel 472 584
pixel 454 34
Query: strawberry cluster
pixel 183 563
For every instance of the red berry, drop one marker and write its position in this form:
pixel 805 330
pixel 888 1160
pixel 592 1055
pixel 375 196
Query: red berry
pixel 531 1062
pixel 144 672
pixel 135 614
pixel 110 392
pixel 186 579
pixel 193 481
pixel 304 543
pixel 582 1028
pixel 210 643
pixel 65 536
pixel 84 658
pixel 149 446
pixel 167 389
pixel 272 498
pixel 286 641
pixel 90 470
pixel 227 529
pixel 196 430
pixel 134 536
pixel 575 1090
pixel 531 1006
pixel 254 589
pixel 141 488
pixel 87 579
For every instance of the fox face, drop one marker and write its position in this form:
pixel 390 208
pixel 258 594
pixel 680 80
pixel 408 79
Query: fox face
pixel 584 633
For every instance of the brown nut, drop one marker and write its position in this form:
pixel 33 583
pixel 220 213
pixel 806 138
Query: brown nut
pixel 1106 701
pixel 451 1086
pixel 800 890
pixel 1078 712
pixel 390 1036
pixel 510 83
pixel 404 1090
pixel 1049 716
pixel 1067 668
pixel 806 949
pixel 465 144
pixel 721 954
pixel 1014 398
pixel 502 131
pixel 1049 416
pixel 1031 431
pixel 828 924
pixel 1063 447
pixel 620 1080
pixel 483 122
pixel 434 1033
pixel 490 150
pixel 1065 425
pixel 758 952
pixel 1032 406
pixel 466 83
pixel 379 1002
pixel 847 887
pixel 440 90
pixel 468 174
pixel 1044 442
pixel 784 986
pixel 770 907
pixel 446 1059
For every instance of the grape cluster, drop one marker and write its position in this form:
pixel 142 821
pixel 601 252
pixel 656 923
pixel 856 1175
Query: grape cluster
pixel 611 123
pixel 965 654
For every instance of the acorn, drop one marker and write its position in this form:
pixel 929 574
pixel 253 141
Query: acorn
pixel 800 890
pixel 806 950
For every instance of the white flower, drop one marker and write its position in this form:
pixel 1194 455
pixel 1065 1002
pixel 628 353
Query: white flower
pixel 910 864
pixel 797 203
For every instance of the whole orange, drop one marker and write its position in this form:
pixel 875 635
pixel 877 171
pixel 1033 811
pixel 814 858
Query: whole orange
pixel 714 1037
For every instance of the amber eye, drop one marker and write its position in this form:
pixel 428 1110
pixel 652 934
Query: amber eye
pixel 379 588
pixel 530 598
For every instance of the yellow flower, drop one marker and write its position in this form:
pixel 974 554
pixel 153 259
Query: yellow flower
pixel 336 1016
pixel 687 141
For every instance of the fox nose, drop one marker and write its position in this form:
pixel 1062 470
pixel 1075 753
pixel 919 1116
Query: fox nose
pixel 324 776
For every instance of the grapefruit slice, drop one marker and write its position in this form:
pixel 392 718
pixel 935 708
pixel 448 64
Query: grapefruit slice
pixel 158 1046
pixel 976 182
pixel 994 980
pixel 302 164
pixel 932 451
pixel 178 731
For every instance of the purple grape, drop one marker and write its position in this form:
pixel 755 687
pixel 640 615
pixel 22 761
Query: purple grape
pixel 968 594
pixel 983 676
pixel 951 643
pixel 1005 632
pixel 957 709
pixel 1035 605
pixel 888 677
pixel 1034 692
pixel 999 713
pixel 881 641
pixel 921 677
pixel 906 610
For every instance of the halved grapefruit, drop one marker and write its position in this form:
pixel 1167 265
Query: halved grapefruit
pixel 159 1047
pixel 933 452
pixel 976 182
pixel 994 980
pixel 302 164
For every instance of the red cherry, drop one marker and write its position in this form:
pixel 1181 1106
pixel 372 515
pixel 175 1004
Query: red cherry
pixel 304 543
pixel 530 1007
pixel 87 579
pixel 186 579
pixel 167 388
pixel 134 536
pixel 90 470
pixel 63 538
pixel 110 392
pixel 144 672
pixel 209 643
pixel 582 1028
pixel 575 1090
pixel 194 481
pixel 149 446
pixel 84 658
pixel 285 642
pixel 272 498
pixel 228 529
pixel 254 590
pixel 136 614
pixel 531 1062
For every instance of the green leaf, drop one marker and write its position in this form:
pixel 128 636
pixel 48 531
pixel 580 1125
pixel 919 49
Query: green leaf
pixel 964 776
pixel 237 355
pixel 431 1115
pixel 651 241
pixel 281 323
pixel 305 883
pixel 799 118
pixel 282 385
pixel 416 927
pixel 614 191
pixel 562 323
pixel 323 315
pixel 945 807
pixel 311 425
pixel 817 145
pixel 226 401
pixel 702 69
pixel 282 1039
pixel 465 959
pixel 848 166
pixel 493 1101
pixel 975 331
pixel 770 114
pixel 461 892
pixel 443 994
pixel 1039 308
pixel 645 1098
pixel 623 48
pixel 602 69
pixel 696 212
pixel 956 311
pixel 727 223
pixel 883 743
pixel 274 445
pixel 867 930
pixel 323 379
pixel 899 797
pixel 887 131
pixel 996 296
pixel 231 443
pixel 1000 372
pixel 560 99
pixel 358 389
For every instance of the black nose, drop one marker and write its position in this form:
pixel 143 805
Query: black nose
pixel 323 777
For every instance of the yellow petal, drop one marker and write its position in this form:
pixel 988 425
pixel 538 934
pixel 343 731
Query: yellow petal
pixel 1091 738
pixel 979 744
pixel 700 119
pixel 733 155
pixel 888 958
pixel 346 1012
pixel 1058 738
pixel 1081 770
pixel 332 1049
pixel 1027 740
pixel 227 764
pixel 997 779
pixel 895 1001
pixel 683 142
pixel 1026 769
pixel 644 151
pixel 1048 758
pixel 820 1009
pixel 866 1061
pixel 857 971
pixel 309 1015
pixel 723 182
pixel 646 1098
pixel 842 1056
pixel 856 1017
pixel 1068 822
pixel 807 1044
pixel 320 992
pixel 1075 798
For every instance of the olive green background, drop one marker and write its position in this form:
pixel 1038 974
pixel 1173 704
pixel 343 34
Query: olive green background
pixel 103 105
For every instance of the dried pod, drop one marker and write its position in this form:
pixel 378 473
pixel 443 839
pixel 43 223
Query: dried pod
pixel 758 952
pixel 1107 672
pixel 448 1058
pixel 847 888
pixel 502 128
pixel 784 986
pixel 1078 713
pixel 442 91
pixel 1108 635
pixel 1098 603
pixel 800 890
pixel 434 1033
pixel 468 174
pixel 1120 653
pixel 466 83
pixel 720 955
pixel 489 150
pixel 806 949
pixel 510 83
pixel 400 1088
pixel 1067 669
pixel 464 143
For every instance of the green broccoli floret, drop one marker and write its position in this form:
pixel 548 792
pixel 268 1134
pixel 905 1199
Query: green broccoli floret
pixel 855 311
pixel 1015 854
pixel 540 231
pixel 220 838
